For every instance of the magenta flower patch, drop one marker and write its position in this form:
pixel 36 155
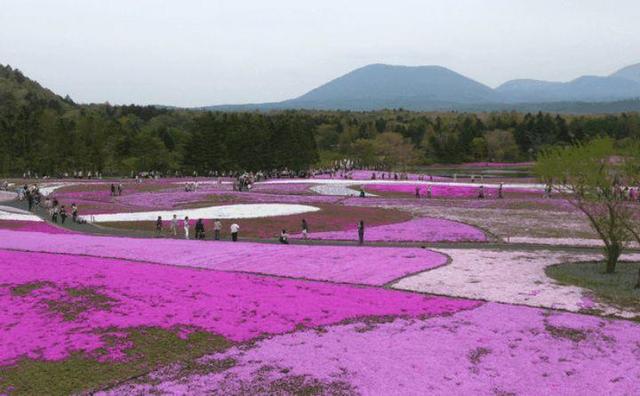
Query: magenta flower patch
pixel 494 349
pixel 444 191
pixel 363 265
pixel 52 305
pixel 416 230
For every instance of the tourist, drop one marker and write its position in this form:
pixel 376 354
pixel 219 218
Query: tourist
pixel 74 212
pixel 217 229
pixel 119 189
pixel 185 225
pixel 234 232
pixel 199 229
pixel 417 192
pixel 361 232
pixel 174 225
pixel 63 214
pixel 481 192
pixel 305 229
pixel 547 191
pixel 29 200
pixel 159 225
pixel 284 237
pixel 500 191
pixel 362 195
pixel 113 190
pixel 54 213
pixel 429 191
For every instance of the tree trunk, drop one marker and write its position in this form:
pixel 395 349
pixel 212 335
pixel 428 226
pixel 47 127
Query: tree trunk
pixel 638 283
pixel 613 253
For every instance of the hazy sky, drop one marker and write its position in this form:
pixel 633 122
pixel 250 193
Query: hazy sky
pixel 192 53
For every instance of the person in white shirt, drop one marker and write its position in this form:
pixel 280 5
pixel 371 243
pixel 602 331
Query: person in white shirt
pixel 174 225
pixel 186 227
pixel 217 229
pixel 284 237
pixel 234 232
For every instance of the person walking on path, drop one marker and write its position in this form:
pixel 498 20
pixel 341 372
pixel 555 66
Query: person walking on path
pixel 74 212
pixel 429 191
pixel 159 225
pixel 217 229
pixel 54 217
pixel 199 229
pixel 417 192
pixel 29 200
pixel 63 214
pixel 481 192
pixel 500 196
pixel 234 232
pixel 185 225
pixel 113 190
pixel 119 189
pixel 361 232
pixel 174 225
pixel 284 237
pixel 305 229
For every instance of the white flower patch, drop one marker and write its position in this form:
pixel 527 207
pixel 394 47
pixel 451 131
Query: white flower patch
pixel 47 189
pixel 338 189
pixel 515 277
pixel 17 215
pixel 512 223
pixel 561 241
pixel 241 211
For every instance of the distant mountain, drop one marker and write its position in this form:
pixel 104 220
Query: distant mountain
pixel 436 88
pixel 582 89
pixel 375 85
pixel 630 73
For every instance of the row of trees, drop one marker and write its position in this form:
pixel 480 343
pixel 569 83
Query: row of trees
pixel 47 134
pixel 459 137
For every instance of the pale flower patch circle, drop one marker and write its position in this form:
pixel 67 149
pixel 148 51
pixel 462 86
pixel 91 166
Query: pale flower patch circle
pixel 18 216
pixel 241 211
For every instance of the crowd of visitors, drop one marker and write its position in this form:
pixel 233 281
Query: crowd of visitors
pixel 234 230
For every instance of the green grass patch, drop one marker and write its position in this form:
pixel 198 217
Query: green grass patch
pixel 150 349
pixel 26 288
pixel 616 289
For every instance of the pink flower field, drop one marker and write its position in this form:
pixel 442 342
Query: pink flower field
pixel 446 297
pixel 32 226
pixel 445 191
pixel 492 349
pixel 54 305
pixel 361 265
pixel 416 230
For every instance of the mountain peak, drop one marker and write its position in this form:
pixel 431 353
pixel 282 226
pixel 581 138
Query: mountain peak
pixel 381 85
pixel 631 72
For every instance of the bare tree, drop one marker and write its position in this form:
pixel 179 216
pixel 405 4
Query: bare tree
pixel 590 177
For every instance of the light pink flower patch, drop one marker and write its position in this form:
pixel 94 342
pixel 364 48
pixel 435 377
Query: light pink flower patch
pixel 416 230
pixel 363 265
pixel 494 349
pixel 445 191
pixel 237 306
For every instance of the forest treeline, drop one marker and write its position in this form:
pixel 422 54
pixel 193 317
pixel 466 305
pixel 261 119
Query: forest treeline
pixel 45 133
